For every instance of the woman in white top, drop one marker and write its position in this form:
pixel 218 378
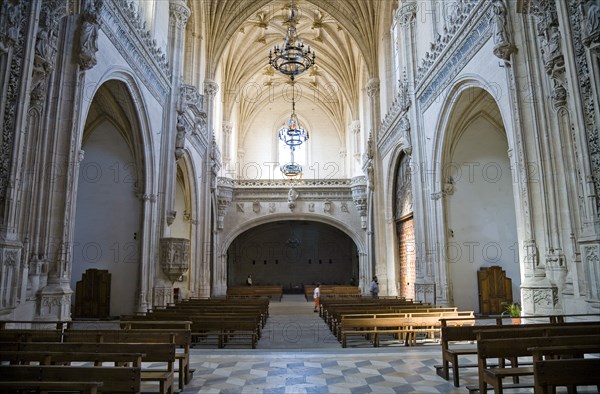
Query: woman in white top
pixel 317 297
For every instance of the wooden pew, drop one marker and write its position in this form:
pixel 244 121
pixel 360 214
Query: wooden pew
pixel 80 387
pixel 272 292
pixel 181 338
pixel 512 348
pixel 66 356
pixel 114 379
pixel 551 369
pixel 464 330
pixel 163 349
pixel 30 335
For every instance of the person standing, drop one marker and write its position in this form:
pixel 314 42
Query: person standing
pixel 374 288
pixel 317 296
pixel 249 280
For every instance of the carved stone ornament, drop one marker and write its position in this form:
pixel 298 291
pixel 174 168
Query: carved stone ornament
pixel 211 88
pixel 373 87
pixel 292 197
pixel 590 10
pixel 180 137
pixel 10 19
pixel 88 38
pixel 174 257
pixel 171 215
pixel 503 46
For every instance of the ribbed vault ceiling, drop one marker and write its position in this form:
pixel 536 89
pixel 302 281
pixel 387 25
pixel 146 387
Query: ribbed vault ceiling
pixel 240 33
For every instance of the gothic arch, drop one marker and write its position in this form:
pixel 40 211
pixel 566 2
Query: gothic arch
pixel 472 105
pixel 226 242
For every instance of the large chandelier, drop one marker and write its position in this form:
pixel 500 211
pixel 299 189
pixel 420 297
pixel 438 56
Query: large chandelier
pixel 293 135
pixel 292 58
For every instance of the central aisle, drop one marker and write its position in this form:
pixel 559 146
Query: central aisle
pixel 292 324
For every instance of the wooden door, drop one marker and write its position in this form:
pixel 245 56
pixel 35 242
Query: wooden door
pixel 92 294
pixel 495 289
pixel 405 230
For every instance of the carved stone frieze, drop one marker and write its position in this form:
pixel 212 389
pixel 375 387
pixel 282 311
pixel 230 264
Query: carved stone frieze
pixel 437 72
pixel 460 14
pixel 399 107
pixel 124 27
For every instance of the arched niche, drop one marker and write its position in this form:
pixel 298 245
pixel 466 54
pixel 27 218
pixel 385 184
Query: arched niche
pixel 478 197
pixel 109 211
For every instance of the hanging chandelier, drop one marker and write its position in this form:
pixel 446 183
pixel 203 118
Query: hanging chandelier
pixel 293 135
pixel 292 58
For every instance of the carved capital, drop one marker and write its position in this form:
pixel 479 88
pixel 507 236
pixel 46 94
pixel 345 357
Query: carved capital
pixel 211 88
pixel 179 13
pixel 373 87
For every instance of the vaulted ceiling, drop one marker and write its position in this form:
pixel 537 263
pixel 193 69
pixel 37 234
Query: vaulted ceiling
pixel 238 35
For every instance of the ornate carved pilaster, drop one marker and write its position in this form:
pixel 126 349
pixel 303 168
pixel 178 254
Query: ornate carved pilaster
pixel 45 48
pixel 174 257
pixel 162 296
pixel 359 197
pixel 590 25
pixel 88 37
pixel 10 21
pixel 224 198
pixel 550 38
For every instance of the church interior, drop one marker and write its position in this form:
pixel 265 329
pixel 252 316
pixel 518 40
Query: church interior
pixel 157 151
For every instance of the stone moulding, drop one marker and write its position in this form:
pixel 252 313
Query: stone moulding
pixel 123 27
pixel 452 53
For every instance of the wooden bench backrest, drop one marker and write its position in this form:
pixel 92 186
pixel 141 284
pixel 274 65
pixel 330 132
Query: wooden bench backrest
pixel 153 352
pixel 531 330
pixel 515 347
pixel 66 355
pixel 178 337
pixel 30 335
pixel 567 372
pixel 114 379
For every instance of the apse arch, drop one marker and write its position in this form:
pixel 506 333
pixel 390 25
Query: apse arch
pixel 227 240
pixel 292 253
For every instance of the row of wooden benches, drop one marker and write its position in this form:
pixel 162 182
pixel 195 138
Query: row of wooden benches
pixel 217 322
pixel 125 349
pixel 501 342
pixel 374 319
pixel 271 292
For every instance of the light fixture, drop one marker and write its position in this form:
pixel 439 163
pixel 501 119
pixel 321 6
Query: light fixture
pixel 293 135
pixel 293 57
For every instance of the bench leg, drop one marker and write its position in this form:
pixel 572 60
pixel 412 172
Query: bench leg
pixel 455 371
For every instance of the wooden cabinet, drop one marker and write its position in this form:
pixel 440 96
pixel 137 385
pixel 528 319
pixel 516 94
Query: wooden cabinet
pixel 494 290
pixel 92 294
